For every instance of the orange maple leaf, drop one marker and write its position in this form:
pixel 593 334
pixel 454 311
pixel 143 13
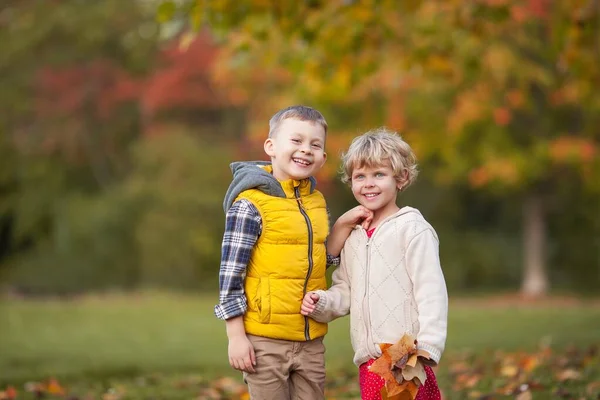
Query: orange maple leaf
pixel 391 354
pixel 55 388
pixel 10 393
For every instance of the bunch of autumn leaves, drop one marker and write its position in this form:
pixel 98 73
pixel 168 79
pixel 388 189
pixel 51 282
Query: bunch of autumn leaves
pixel 398 365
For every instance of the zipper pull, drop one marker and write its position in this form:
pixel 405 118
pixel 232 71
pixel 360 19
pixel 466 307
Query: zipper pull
pixel 298 198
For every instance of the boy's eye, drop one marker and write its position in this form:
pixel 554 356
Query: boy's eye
pixel 379 174
pixel 316 146
pixel 296 140
pixel 358 177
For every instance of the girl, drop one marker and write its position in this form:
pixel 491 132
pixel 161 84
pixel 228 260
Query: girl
pixel 389 279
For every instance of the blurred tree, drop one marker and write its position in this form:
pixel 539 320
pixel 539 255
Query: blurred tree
pixel 97 189
pixel 178 182
pixel 68 72
pixel 498 94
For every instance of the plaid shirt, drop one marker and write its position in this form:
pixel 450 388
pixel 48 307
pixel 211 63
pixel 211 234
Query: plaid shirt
pixel 243 226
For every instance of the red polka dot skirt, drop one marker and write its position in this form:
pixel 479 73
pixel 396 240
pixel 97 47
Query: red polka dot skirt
pixel 371 384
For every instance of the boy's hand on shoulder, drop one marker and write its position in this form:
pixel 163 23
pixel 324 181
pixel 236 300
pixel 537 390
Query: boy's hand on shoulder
pixel 309 303
pixel 358 215
pixel 241 353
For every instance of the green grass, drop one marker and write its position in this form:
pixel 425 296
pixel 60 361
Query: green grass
pixel 96 339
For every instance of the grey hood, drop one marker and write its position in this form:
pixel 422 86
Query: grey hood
pixel 252 175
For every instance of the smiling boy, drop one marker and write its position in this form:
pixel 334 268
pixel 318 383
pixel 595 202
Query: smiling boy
pixel 273 253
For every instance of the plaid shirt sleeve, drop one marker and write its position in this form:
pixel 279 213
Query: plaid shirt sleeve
pixel 243 226
pixel 332 261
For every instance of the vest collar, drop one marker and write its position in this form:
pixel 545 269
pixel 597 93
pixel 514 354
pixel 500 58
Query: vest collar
pixel 289 185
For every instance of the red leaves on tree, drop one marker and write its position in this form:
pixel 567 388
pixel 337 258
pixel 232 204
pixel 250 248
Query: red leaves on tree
pixel 183 78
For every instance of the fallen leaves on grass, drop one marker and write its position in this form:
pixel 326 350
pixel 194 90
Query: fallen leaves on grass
pixel 572 373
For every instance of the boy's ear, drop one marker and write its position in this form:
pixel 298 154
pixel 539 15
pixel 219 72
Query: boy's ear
pixel 269 147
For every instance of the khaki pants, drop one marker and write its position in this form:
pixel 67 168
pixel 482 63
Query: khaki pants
pixel 287 370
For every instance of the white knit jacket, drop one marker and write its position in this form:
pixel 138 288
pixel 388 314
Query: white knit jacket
pixel 391 284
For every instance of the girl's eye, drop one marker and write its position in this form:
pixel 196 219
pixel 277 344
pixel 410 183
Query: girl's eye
pixel 296 140
pixel 379 175
pixel 358 177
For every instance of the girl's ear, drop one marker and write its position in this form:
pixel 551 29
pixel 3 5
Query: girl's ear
pixel 401 180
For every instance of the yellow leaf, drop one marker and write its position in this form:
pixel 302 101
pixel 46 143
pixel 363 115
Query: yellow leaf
pixel 55 388
pixel 510 370
pixel 499 60
pixel 185 41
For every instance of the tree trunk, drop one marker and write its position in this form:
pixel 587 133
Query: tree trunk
pixel 535 278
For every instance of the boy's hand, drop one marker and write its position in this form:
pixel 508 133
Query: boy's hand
pixel 309 303
pixel 358 215
pixel 241 354
pixel 344 226
pixel 240 350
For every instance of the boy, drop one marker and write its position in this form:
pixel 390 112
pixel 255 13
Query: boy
pixel 273 253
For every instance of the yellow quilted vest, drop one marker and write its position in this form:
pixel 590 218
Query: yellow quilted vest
pixel 288 260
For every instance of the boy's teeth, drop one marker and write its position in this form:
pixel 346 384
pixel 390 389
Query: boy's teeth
pixel 300 161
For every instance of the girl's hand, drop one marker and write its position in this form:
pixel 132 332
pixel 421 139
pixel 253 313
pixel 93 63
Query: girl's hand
pixel 358 215
pixel 309 303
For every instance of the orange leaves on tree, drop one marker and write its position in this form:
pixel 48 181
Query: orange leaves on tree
pixel 569 149
pixel 502 116
pixel 568 94
pixel 396 118
pixel 496 3
pixel 519 13
pixel 539 8
pixel 494 170
pixel 515 98
pixel 469 107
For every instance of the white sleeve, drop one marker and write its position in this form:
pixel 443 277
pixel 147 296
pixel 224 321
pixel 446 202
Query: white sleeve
pixel 334 302
pixel 431 295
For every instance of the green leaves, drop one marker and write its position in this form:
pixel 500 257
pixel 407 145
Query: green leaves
pixel 166 11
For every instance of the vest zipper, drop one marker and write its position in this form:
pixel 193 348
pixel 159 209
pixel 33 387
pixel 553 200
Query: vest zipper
pixel 310 255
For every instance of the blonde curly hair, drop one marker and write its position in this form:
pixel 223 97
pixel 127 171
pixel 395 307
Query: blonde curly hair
pixel 378 147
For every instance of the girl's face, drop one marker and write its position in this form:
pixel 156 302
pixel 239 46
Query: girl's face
pixel 376 188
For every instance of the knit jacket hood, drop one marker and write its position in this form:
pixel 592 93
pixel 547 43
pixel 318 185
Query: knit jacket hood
pixel 254 175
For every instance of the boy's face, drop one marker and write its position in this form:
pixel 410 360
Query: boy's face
pixel 297 149
pixel 376 188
